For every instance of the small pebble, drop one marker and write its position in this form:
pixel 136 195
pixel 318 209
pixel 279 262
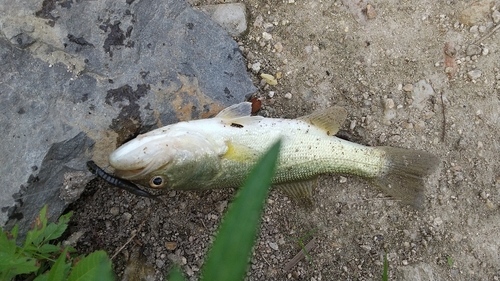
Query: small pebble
pixel 127 216
pixel 484 195
pixel 474 74
pixel 278 47
pixel 273 246
pixel 496 16
pixel 408 87
pixel 266 36
pixel 170 246
pixel 370 12
pixel 438 221
pixel 473 50
pixel 270 94
pixel 389 103
pixel 258 21
pixel 288 96
pixel 114 211
pixel 421 93
pixel 256 67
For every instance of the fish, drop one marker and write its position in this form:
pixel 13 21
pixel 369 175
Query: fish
pixel 219 152
pixel 120 183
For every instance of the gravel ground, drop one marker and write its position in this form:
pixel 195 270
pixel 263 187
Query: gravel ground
pixel 413 74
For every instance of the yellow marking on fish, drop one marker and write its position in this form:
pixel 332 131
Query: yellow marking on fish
pixel 239 153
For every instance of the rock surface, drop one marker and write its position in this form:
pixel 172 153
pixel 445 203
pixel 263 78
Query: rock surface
pixel 80 78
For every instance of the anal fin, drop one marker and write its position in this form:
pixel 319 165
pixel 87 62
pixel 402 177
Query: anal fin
pixel 300 191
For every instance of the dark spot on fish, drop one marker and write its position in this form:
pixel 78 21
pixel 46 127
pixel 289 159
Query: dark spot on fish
pixel 236 125
pixel 327 133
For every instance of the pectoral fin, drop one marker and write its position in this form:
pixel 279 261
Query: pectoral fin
pixel 328 119
pixel 301 191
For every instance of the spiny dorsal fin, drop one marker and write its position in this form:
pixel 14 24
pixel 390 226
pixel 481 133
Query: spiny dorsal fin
pixel 301 191
pixel 238 115
pixel 329 119
pixel 236 110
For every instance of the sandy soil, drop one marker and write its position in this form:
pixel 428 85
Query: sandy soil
pixel 413 74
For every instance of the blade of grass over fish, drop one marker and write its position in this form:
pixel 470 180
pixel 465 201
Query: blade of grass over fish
pixel 233 244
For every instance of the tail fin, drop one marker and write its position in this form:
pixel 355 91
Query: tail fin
pixel 403 177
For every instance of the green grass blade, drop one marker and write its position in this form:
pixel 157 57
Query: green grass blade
pixel 229 256
pixel 385 273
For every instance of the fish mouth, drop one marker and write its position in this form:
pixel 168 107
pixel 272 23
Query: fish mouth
pixel 129 174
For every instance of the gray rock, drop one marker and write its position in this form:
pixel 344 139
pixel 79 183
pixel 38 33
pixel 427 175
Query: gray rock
pixel 92 75
pixel 232 16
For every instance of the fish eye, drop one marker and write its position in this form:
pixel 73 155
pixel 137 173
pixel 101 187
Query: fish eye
pixel 157 182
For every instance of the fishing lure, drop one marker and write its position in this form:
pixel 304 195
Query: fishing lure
pixel 120 183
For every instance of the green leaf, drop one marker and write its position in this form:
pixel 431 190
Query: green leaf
pixel 96 266
pixel 48 249
pixel 52 231
pixel 43 277
pixel 7 246
pixel 230 253
pixel 60 269
pixel 14 231
pixel 39 227
pixel 11 266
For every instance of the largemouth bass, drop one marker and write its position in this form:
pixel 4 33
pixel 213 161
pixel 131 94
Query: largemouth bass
pixel 219 152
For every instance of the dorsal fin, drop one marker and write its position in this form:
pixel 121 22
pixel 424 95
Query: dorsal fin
pixel 238 115
pixel 329 119
pixel 236 110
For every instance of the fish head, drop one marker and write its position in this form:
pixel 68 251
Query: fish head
pixel 168 159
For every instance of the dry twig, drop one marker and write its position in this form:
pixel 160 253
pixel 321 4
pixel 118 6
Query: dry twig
pixel 300 255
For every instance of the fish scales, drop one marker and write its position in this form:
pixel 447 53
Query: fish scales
pixel 219 152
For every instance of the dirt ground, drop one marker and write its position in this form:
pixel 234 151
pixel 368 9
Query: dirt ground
pixel 413 74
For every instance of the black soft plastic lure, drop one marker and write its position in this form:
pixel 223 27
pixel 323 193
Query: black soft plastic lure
pixel 120 183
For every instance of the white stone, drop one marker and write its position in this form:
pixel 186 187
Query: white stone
pixel 256 67
pixel 421 93
pixel 496 16
pixel 232 16
pixel 474 74
pixel 266 36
